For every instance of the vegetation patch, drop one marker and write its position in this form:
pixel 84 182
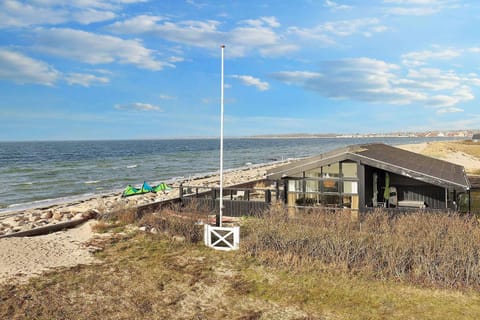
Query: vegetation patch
pixel 307 266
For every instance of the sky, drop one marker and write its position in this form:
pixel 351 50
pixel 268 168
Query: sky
pixel 140 69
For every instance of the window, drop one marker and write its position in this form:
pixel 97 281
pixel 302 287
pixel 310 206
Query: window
pixel 331 171
pixel 330 185
pixel 312 186
pixel 350 187
pixel 349 169
pixel 295 185
pixel 314 173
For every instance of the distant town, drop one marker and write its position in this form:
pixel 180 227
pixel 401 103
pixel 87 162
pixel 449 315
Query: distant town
pixel 433 134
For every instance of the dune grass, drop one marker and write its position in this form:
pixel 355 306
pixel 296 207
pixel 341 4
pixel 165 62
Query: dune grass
pixel 170 275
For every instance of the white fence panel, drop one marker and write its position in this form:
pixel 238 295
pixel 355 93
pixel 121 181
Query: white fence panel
pixel 222 238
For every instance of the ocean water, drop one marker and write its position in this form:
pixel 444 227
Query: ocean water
pixel 35 173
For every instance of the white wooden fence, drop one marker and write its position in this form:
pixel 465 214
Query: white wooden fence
pixel 222 238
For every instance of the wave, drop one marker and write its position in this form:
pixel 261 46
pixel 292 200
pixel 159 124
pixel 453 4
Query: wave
pixel 132 166
pixel 92 182
pixel 45 203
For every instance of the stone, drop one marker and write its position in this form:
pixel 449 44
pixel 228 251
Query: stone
pixel 47 215
pixel 143 228
pixel 179 238
pixel 154 230
pixel 57 216
pixel 21 223
pixel 78 216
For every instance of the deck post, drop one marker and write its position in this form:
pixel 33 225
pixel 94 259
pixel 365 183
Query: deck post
pixel 268 196
pixel 277 190
pixel 469 201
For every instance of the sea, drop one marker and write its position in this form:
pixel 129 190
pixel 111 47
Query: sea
pixel 40 173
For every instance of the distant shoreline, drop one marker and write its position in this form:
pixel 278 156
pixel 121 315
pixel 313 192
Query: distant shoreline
pixel 460 134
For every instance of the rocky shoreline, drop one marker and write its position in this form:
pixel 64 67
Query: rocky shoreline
pixel 23 220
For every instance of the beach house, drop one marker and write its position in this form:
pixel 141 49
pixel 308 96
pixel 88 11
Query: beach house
pixel 362 177
pixel 476 137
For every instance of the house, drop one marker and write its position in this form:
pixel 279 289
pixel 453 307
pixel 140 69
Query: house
pixel 372 175
pixel 476 137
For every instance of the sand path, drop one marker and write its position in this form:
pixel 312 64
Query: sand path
pixel 22 258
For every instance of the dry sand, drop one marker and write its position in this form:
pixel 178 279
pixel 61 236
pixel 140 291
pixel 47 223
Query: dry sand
pixel 450 151
pixel 24 257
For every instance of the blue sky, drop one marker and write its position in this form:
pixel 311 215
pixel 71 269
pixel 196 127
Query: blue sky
pixel 130 69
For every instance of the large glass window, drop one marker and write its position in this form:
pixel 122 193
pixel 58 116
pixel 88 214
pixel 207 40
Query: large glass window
pixel 331 171
pixel 330 185
pixel 333 185
pixel 349 169
pixel 295 185
pixel 350 187
pixel 312 186
pixel 314 173
pixel 331 200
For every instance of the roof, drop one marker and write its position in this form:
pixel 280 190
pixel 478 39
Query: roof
pixel 392 159
pixel 474 181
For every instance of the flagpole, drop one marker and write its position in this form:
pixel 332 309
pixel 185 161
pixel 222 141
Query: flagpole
pixel 219 222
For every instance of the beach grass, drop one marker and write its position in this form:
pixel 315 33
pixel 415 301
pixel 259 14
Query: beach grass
pixel 169 275
pixel 440 149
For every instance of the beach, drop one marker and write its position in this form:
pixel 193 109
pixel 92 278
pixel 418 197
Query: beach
pixel 24 257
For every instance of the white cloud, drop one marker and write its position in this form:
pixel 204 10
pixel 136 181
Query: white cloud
pixel 254 35
pixel 419 7
pixel 92 16
pixel 449 110
pixel 101 49
pixel 418 58
pixel 139 106
pixel 14 13
pixel 327 31
pixel 259 23
pixel 335 6
pixel 350 27
pixel 167 97
pixel 22 69
pixel 18 14
pixel 251 81
pixel 375 81
pixel 84 79
pixel 194 33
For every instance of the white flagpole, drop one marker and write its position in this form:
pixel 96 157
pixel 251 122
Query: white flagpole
pixel 221 145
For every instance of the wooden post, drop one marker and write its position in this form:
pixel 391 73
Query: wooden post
pixel 469 202
pixel 268 196
pixel 277 190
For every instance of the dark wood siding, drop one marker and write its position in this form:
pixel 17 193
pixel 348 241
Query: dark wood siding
pixel 231 208
pixel 407 189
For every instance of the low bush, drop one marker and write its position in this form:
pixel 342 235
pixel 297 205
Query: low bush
pixel 428 248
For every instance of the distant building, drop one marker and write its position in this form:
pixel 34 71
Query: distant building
pixel 476 137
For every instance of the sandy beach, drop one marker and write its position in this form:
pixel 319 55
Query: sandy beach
pixel 22 257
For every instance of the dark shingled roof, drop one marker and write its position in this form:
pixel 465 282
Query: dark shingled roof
pixel 414 165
